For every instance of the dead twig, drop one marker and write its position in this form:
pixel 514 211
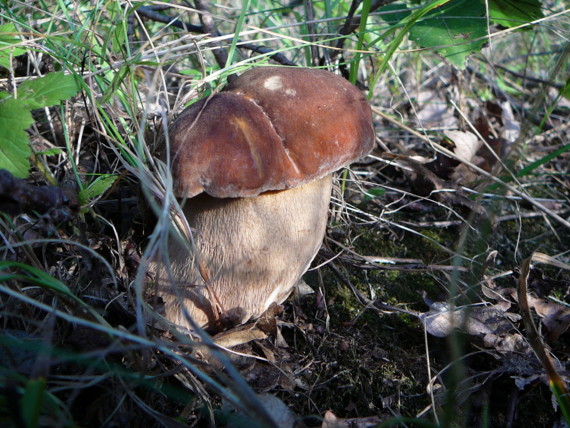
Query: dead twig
pixel 17 196
pixel 556 382
pixel 150 12
pixel 207 21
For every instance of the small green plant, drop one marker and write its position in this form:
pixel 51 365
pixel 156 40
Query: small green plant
pixel 16 107
pixel 455 29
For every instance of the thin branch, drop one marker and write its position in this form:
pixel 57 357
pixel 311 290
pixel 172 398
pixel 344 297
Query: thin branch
pixel 352 23
pixel 17 196
pixel 310 16
pixel 151 13
pixel 207 21
pixel 530 79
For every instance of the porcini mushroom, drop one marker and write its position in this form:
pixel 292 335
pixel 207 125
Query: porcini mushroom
pixel 254 165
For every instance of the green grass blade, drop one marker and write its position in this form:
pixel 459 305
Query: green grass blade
pixel 239 26
pixel 361 34
pixel 407 23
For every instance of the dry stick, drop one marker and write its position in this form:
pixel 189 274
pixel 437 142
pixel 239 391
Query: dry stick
pixel 17 196
pixel 531 332
pixel 531 79
pixel 447 152
pixel 150 13
pixel 208 24
pixel 310 15
pixel 352 23
pixel 394 263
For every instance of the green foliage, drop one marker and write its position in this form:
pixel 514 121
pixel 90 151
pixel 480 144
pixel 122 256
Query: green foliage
pixel 407 21
pixel 47 91
pixel 34 276
pixel 36 406
pixel 96 188
pixel 565 91
pixel 15 116
pixel 456 29
pixel 32 401
pixel 239 26
pixel 511 13
pixel 374 192
pixel 9 44
pixel 15 150
pixel 364 18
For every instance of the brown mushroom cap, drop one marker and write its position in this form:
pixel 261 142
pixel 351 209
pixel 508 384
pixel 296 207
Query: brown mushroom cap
pixel 272 128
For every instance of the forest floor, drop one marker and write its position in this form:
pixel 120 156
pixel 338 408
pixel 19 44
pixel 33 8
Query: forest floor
pixel 412 311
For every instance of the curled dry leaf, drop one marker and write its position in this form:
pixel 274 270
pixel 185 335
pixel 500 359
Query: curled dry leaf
pixel 426 180
pixel 555 317
pixel 281 414
pixel 279 411
pixel 511 127
pixel 500 295
pixel 523 382
pixel 238 336
pixel 467 145
pixel 441 320
pixel 492 325
pixel 331 421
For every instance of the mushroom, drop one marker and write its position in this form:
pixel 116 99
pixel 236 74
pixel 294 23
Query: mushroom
pixel 254 165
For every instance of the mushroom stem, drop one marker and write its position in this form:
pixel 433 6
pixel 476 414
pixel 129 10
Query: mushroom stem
pixel 249 253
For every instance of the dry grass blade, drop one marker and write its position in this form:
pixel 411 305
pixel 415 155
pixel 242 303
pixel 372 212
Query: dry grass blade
pixel 557 384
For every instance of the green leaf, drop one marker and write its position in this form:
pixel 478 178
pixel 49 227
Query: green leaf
pixel 32 401
pixel 407 22
pixel 15 150
pixel 50 152
pixel 119 35
pixel 511 13
pixel 456 30
pixel 35 276
pixel 97 188
pixel 8 44
pixel 15 117
pixel 565 91
pixel 48 90
pixel 373 193
pixel 115 85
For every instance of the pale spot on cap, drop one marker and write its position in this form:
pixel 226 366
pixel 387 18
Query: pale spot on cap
pixel 273 83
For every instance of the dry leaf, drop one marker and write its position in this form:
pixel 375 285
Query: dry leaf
pixel 434 110
pixel 500 295
pixel 441 320
pixel 555 317
pixel 238 336
pixel 467 145
pixel 279 411
pixel 331 421
pixel 511 127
